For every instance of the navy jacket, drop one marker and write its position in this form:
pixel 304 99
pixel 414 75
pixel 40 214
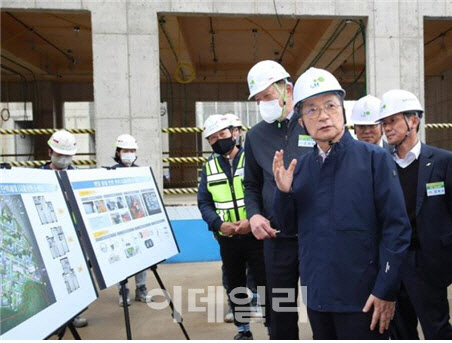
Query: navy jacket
pixel 206 204
pixel 47 166
pixel 353 229
pixel 261 143
pixel 434 216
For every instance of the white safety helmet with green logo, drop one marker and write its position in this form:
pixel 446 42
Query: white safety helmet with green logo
pixel 366 110
pixel 63 143
pixel 399 101
pixel 126 141
pixel 215 123
pixel 263 74
pixel 315 82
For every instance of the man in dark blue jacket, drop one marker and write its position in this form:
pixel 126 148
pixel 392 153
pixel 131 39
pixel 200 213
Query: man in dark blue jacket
pixel 426 176
pixel 270 86
pixel 345 201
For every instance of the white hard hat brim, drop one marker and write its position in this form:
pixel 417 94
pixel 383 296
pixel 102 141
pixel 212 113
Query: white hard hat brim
pixel 339 91
pixel 71 152
pixel 365 122
pixel 261 89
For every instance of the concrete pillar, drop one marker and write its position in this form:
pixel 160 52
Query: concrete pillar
pixel 43 117
pixel 395 52
pixel 126 80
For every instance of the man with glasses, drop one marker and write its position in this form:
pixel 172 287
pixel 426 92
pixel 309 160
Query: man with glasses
pixel 364 118
pixel 345 201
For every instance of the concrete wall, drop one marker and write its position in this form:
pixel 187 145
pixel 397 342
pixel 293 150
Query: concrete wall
pixel 126 53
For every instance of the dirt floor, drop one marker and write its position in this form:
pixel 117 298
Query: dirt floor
pixel 106 318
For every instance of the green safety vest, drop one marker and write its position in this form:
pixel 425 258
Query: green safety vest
pixel 229 199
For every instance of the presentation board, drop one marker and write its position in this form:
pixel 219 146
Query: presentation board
pixel 123 221
pixel 45 280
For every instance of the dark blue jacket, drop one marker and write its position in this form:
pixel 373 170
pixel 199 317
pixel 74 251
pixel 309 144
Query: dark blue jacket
pixel 206 204
pixel 47 166
pixel 434 216
pixel 353 229
pixel 261 143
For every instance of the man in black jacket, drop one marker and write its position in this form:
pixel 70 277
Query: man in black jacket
pixel 425 174
pixel 270 85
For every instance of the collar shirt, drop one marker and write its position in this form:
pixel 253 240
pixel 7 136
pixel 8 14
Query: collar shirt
pixel 412 155
pixel 323 154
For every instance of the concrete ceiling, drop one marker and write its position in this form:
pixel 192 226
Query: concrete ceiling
pixel 46 46
pixel 57 45
pixel 223 49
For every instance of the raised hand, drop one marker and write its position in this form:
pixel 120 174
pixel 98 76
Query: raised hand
pixel 283 176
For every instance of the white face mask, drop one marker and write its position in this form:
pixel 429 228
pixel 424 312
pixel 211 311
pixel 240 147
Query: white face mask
pixel 270 110
pixel 128 158
pixel 61 162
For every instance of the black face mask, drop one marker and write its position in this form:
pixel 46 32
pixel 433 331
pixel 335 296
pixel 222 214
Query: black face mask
pixel 223 146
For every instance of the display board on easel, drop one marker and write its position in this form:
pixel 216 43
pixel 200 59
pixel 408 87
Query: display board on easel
pixel 45 280
pixel 122 219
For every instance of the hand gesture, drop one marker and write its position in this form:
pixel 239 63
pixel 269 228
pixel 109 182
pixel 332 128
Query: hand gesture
pixel 283 176
pixel 383 312
pixel 228 229
pixel 243 227
pixel 261 228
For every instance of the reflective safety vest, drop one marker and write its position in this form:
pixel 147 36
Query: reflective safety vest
pixel 229 198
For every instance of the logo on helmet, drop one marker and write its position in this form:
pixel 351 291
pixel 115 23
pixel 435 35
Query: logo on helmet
pixel 316 82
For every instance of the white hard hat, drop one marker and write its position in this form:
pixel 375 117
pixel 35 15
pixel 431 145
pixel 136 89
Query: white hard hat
pixel 315 82
pixel 63 142
pixel 234 119
pixel 365 111
pixel 398 101
pixel 126 141
pixel 264 74
pixel 215 123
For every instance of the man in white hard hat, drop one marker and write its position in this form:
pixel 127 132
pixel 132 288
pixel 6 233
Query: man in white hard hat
pixel 62 147
pixel 345 201
pixel 222 206
pixel 125 156
pixel 270 86
pixel 250 282
pixel 425 173
pixel 364 118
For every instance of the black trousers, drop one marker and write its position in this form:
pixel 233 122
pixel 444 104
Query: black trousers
pixel 281 264
pixel 236 252
pixel 343 326
pixel 421 299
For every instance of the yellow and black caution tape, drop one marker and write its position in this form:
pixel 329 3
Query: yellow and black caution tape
pixel 36 164
pixel 190 129
pixel 33 132
pixel 182 129
pixel 439 126
pixel 30 164
pixel 84 162
pixel 184 159
pixel 191 190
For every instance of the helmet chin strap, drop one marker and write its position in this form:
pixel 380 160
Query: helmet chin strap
pixel 406 134
pixel 284 98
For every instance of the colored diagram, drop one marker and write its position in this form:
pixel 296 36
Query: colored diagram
pixel 25 286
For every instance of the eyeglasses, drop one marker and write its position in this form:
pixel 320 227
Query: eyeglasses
pixel 314 112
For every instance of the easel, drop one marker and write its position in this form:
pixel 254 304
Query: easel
pixel 62 330
pixel 175 315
